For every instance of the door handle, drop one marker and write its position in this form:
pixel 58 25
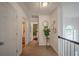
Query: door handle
pixel 1 43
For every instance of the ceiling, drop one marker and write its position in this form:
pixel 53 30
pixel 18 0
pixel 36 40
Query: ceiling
pixel 35 9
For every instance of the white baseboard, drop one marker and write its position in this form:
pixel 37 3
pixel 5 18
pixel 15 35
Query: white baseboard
pixel 19 52
pixel 54 50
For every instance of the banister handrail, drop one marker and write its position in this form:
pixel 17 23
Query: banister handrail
pixel 69 40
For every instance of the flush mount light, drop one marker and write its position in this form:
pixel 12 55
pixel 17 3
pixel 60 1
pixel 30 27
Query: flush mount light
pixel 43 4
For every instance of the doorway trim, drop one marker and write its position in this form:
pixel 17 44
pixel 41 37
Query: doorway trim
pixel 32 29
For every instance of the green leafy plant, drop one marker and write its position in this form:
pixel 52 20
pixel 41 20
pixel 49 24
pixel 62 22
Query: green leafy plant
pixel 34 33
pixel 46 32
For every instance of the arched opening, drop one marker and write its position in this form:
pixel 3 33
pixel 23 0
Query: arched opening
pixel 69 32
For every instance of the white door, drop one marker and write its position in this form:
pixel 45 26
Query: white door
pixel 7 30
pixel 8 36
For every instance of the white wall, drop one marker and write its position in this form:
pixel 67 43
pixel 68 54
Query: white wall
pixel 54 36
pixel 60 30
pixel 42 19
pixel 7 29
pixel 70 9
pixel 55 42
pixel 21 16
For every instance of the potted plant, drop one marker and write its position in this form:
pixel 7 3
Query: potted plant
pixel 46 33
pixel 34 33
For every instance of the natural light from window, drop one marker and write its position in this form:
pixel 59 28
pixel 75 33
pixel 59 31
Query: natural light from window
pixel 69 32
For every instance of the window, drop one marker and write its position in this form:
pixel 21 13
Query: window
pixel 69 32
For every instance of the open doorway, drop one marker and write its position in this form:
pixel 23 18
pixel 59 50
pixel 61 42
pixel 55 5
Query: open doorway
pixel 34 32
pixel 24 34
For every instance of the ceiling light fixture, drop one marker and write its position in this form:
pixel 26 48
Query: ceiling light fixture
pixel 43 4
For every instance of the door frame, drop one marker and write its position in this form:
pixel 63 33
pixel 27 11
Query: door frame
pixel 32 29
pixel 19 34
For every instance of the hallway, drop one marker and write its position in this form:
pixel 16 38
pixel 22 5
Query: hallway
pixel 33 50
pixel 51 23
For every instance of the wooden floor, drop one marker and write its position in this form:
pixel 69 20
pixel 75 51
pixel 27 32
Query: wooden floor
pixel 36 50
